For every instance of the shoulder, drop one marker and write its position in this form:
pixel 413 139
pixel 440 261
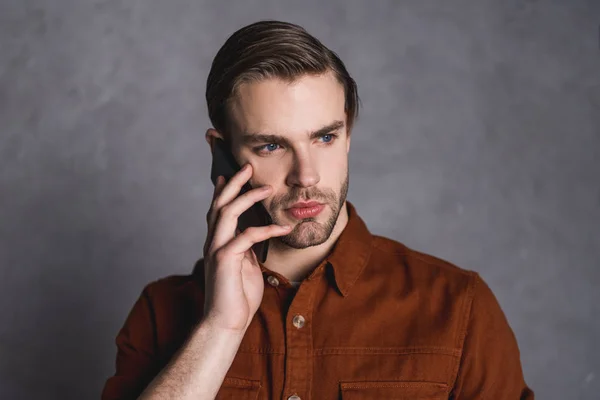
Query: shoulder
pixel 176 288
pixel 170 283
pixel 419 262
pixel 418 271
pixel 439 278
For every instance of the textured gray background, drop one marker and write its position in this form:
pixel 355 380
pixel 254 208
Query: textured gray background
pixel 478 143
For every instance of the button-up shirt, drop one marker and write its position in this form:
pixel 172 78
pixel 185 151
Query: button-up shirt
pixel 375 320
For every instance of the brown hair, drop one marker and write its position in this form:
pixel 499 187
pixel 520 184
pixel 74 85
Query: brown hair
pixel 271 49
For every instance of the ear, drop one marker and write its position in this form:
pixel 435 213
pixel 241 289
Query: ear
pixel 211 135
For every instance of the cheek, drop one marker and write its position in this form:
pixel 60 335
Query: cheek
pixel 334 177
pixel 265 174
pixel 337 164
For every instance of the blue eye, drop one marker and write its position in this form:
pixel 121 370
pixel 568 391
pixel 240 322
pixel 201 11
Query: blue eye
pixel 270 149
pixel 332 137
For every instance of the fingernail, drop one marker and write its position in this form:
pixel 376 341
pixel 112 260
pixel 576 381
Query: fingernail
pixel 246 167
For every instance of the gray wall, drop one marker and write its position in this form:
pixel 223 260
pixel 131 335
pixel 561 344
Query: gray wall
pixel 479 142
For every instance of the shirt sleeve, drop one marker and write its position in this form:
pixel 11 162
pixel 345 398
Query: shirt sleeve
pixel 490 367
pixel 136 361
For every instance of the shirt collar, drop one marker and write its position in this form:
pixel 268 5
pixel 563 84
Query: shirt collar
pixel 349 255
pixel 351 252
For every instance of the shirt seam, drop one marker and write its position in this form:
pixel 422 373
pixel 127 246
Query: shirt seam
pixel 260 350
pixel 362 351
pixel 387 350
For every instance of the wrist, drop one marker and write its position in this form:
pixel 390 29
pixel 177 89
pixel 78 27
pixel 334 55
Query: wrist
pixel 213 328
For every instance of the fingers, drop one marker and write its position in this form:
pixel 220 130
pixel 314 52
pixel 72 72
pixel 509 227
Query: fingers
pixel 228 205
pixel 249 237
pixel 228 215
pixel 212 216
pixel 225 192
pixel 232 189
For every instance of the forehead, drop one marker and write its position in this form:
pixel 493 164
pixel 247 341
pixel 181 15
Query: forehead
pixel 307 103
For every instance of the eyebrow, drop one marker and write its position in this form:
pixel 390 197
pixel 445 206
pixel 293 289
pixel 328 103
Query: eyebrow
pixel 254 138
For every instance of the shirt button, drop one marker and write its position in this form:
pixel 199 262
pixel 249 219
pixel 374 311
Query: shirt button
pixel 273 281
pixel 298 321
pixel 294 397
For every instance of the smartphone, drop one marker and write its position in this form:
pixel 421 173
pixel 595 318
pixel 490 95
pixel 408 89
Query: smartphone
pixel 224 163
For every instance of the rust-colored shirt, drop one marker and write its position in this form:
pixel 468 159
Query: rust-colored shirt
pixel 375 320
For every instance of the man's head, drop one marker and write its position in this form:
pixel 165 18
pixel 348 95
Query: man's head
pixel 275 80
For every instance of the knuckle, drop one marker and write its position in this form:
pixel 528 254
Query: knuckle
pixel 224 210
pixel 252 231
pixel 227 210
pixel 220 255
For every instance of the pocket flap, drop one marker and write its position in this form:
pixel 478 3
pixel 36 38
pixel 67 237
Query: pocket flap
pixel 393 390
pixel 238 388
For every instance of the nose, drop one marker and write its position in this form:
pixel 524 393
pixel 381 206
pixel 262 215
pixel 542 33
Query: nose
pixel 304 172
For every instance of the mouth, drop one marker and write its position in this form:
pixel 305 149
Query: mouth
pixel 304 204
pixel 301 212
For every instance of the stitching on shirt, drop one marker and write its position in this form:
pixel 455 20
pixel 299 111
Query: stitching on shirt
pixel 361 350
pixel 392 384
pixel 311 310
pixel 260 350
pixel 387 350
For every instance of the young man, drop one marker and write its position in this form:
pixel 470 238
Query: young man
pixel 334 312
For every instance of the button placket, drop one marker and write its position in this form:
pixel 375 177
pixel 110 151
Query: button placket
pixel 299 363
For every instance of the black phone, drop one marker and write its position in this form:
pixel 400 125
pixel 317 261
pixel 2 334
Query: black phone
pixel 223 163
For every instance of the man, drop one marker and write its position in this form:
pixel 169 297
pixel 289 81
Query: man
pixel 334 312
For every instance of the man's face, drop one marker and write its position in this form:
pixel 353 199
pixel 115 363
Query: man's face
pixel 298 167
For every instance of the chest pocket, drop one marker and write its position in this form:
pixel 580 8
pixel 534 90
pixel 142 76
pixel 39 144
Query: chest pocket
pixel 393 390
pixel 239 389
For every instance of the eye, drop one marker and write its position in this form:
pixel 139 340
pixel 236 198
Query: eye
pixel 333 137
pixel 270 146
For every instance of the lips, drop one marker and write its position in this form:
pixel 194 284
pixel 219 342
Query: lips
pixel 305 212
pixel 305 204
